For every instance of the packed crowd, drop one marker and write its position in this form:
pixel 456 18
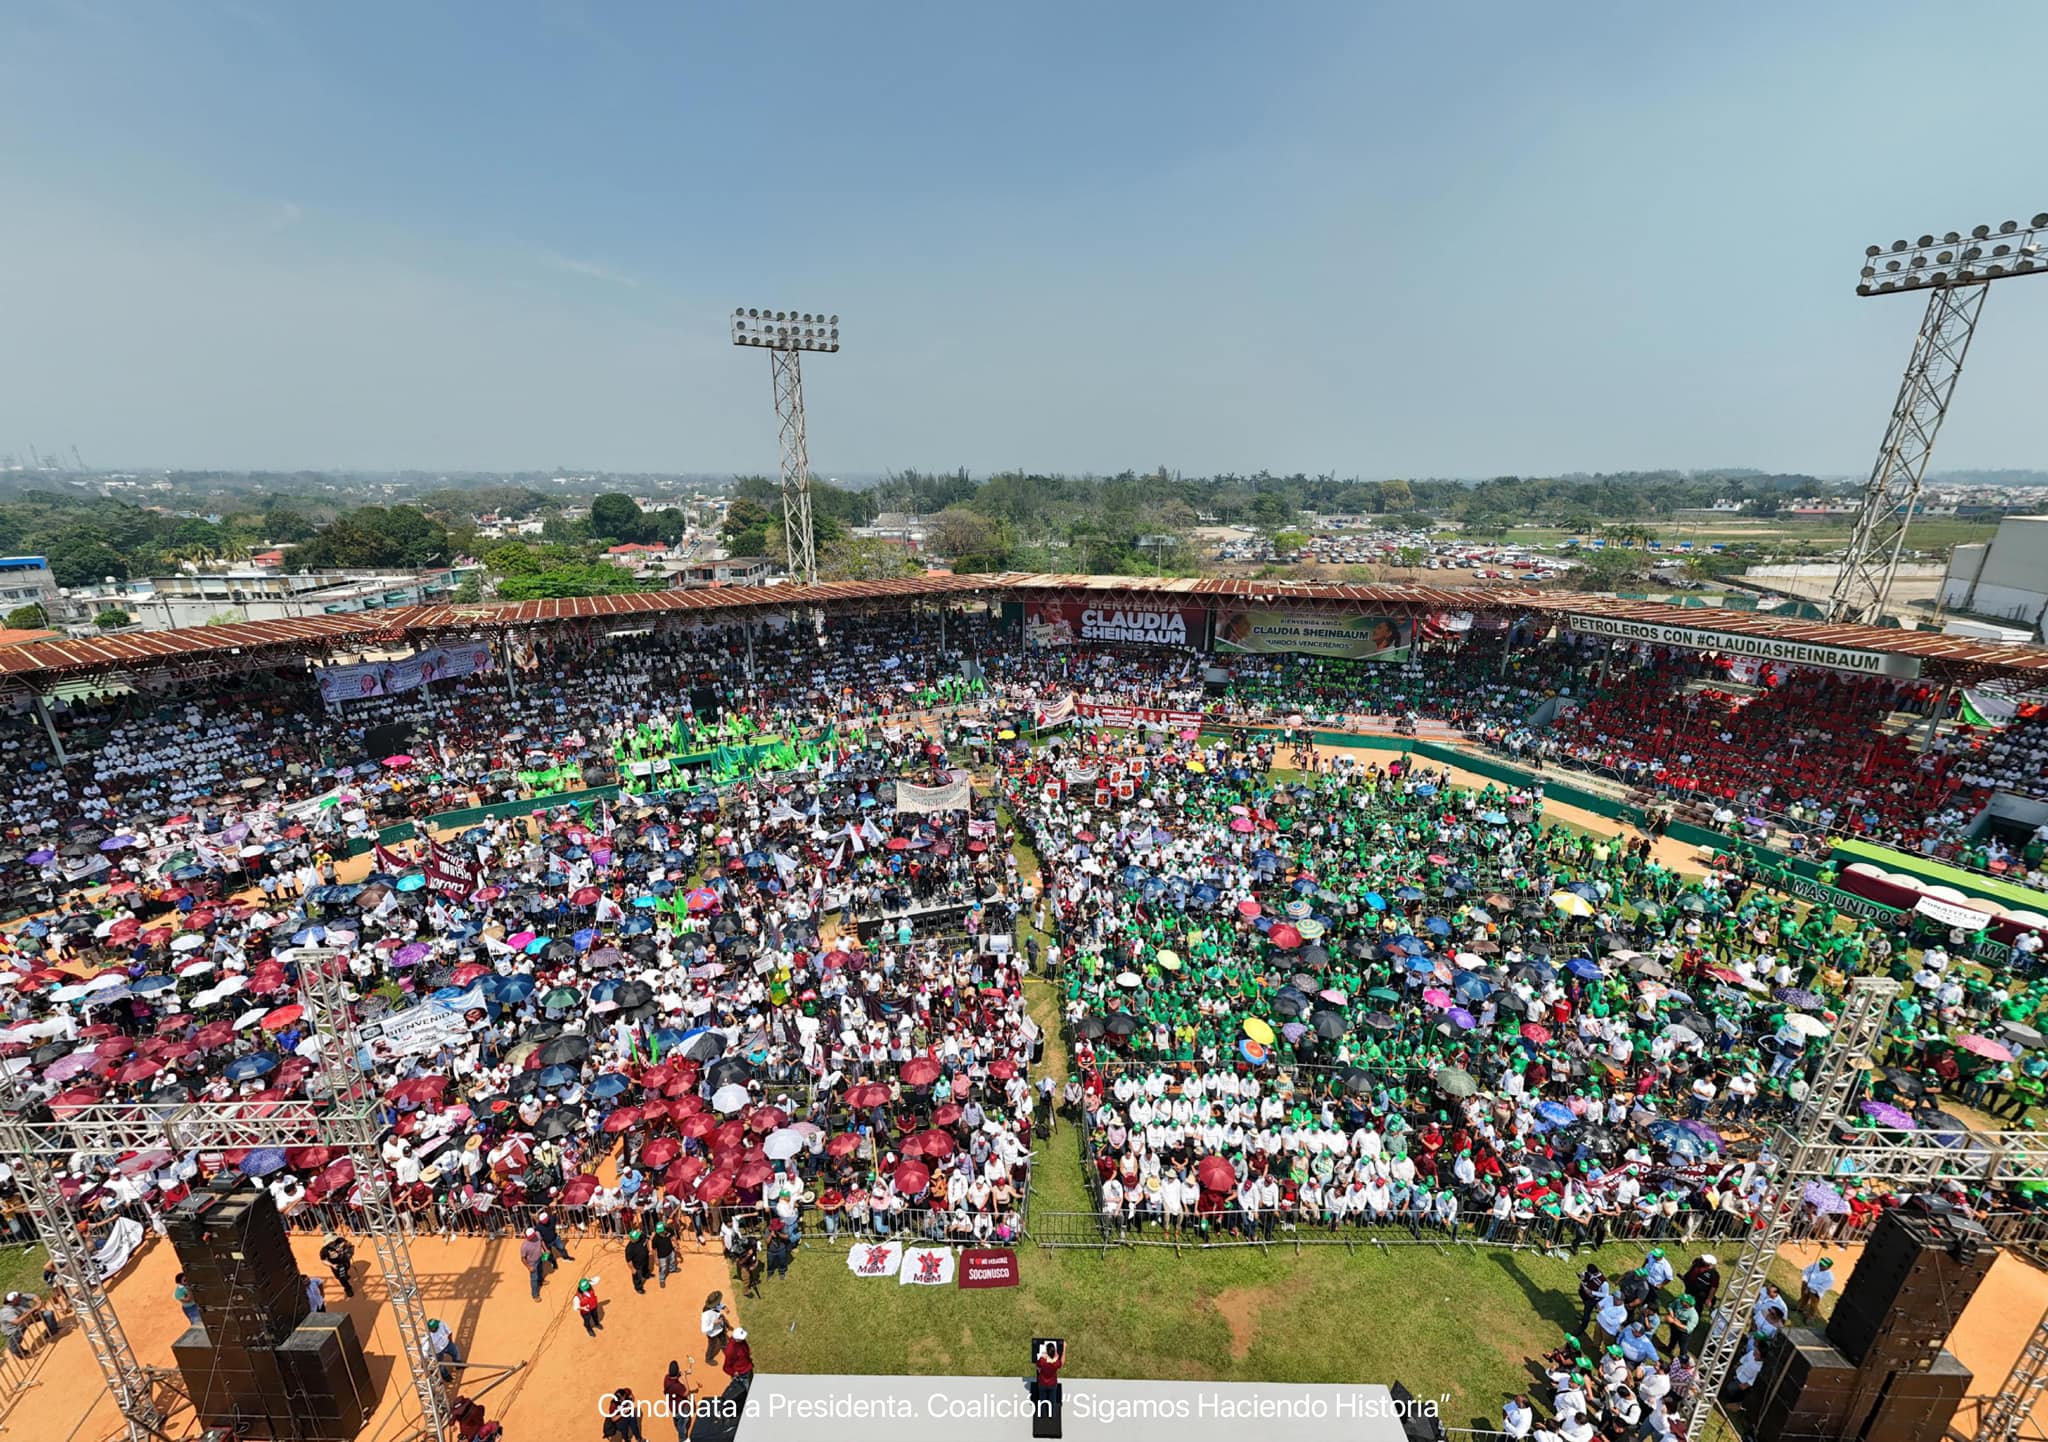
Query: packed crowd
pixel 1368 999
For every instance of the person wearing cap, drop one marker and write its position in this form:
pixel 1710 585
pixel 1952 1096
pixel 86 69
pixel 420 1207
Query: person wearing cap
pixel 1703 1281
pixel 551 1238
pixel 1657 1270
pixel 589 1308
pixel 1683 1318
pixel 639 1259
pixel 739 1357
pixel 339 1253
pixel 714 1325
pixel 533 1255
pixel 663 1244
pixel 439 1345
pixel 1816 1280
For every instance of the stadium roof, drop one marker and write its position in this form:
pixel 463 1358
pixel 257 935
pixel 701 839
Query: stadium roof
pixel 44 663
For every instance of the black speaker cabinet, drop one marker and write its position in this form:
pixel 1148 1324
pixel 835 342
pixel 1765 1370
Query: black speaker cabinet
pixel 230 1385
pixel 326 1378
pixel 238 1265
pixel 1918 1406
pixel 1917 1274
pixel 1806 1392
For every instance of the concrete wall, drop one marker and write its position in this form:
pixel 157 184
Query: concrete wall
pixel 2005 577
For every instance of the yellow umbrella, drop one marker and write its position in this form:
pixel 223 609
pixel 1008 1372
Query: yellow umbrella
pixel 1571 903
pixel 1195 938
pixel 1258 1031
pixel 1169 961
pixel 1198 767
pixel 1006 736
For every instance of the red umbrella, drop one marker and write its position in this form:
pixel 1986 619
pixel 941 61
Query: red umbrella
pixel 912 1177
pixel 199 920
pixel 657 1077
pixel 141 1069
pixel 656 1110
pixel 920 1071
pixel 1215 1174
pixel 1248 909
pixel 424 1089
pixel 1002 1070
pixel 1284 936
pixel 283 1017
pixel 177 1051
pixel 215 1034
pixel 79 1096
pixel 844 1144
pixel 766 1119
pixel 699 1125
pixel 113 1048
pixel 730 1136
pixel 660 1152
pixel 715 1187
pixel 867 1094
pixel 267 979
pixel 469 972
pixel 755 1174
pixel 681 1174
pixel 687 1105
pixel 155 936
pixel 577 1190
pixel 339 1173
pixel 946 1115
pixel 936 1145
pixel 622 1120
pixel 126 929
pixel 308 1159
pixel 1536 1032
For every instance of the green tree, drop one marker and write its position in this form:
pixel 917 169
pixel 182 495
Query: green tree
pixel 27 618
pixel 80 558
pixel 1609 570
pixel 863 558
pixel 468 591
pixel 617 518
pixel 972 541
pixel 108 619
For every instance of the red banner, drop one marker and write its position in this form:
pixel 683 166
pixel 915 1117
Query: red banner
pixel 988 1267
pixel 1129 716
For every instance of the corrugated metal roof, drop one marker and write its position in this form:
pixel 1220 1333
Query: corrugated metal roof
pixel 143 650
pixel 1888 640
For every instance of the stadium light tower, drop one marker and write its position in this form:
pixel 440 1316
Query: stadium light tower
pixel 786 335
pixel 1957 271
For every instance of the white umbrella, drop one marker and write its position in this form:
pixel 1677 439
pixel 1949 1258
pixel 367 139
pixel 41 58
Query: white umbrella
pixel 1469 960
pixel 1806 1025
pixel 1127 978
pixel 106 981
pixel 249 1018
pixel 729 1098
pixel 190 941
pixel 230 985
pixel 72 992
pixel 783 1143
pixel 195 968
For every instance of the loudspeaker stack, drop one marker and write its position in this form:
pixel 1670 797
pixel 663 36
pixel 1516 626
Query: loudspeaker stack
pixel 262 1361
pixel 1881 1374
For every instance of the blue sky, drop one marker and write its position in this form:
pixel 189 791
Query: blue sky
pixel 1374 240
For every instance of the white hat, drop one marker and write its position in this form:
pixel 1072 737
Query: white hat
pixel 1710 1259
pixel 739 1334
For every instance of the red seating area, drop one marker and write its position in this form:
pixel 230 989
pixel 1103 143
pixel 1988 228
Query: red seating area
pixel 1811 738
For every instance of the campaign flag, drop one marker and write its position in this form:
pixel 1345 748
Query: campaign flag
pixel 874 1259
pixel 988 1267
pixel 927 1267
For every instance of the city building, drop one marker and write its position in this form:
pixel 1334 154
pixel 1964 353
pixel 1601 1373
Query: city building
pixel 249 594
pixel 26 581
pixel 730 571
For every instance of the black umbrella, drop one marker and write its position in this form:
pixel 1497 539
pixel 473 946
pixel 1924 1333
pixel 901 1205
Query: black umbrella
pixel 1313 957
pixel 565 1051
pixel 633 993
pixel 1329 1026
pixel 646 1011
pixel 704 1046
pixel 542 1031
pixel 558 953
pixel 642 948
pixel 1509 1002
pixel 51 1051
pixel 1290 1004
pixel 523 1083
pixel 1120 1023
pixel 728 1071
pixel 555 1123
pixel 1088 1028
pixel 1902 1081
pixel 1357 1081
pixel 1379 1021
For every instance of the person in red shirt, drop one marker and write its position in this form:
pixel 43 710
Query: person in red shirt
pixel 588 1307
pixel 739 1357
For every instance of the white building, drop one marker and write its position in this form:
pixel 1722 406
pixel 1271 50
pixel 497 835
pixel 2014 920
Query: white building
pixel 2006 577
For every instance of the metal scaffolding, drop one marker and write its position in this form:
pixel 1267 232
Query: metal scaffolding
pixel 341 1111
pixel 799 544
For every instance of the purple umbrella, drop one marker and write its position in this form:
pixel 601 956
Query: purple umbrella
pixel 41 858
pixel 1824 1197
pixel 115 843
pixel 1704 1132
pixel 1461 1018
pixel 411 955
pixel 1887 1115
pixel 64 1068
pixel 1294 1031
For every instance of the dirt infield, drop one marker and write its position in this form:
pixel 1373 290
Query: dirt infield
pixel 476 1287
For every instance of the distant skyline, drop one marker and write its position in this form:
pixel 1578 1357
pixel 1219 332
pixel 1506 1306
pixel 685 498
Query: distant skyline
pixel 1348 238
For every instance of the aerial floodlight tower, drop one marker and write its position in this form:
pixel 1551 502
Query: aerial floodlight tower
pixel 785 335
pixel 1955 270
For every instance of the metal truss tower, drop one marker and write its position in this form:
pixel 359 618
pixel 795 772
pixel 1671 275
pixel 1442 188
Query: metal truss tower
pixel 340 1111
pixel 785 335
pixel 1957 271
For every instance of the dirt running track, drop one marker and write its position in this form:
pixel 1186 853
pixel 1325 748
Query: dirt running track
pixel 477 1288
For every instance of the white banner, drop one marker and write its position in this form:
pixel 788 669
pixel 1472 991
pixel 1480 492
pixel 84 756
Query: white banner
pixel 415 1031
pixel 1948 913
pixel 927 1267
pixel 1764 648
pixel 955 795
pixel 389 678
pixel 1059 713
pixel 874 1259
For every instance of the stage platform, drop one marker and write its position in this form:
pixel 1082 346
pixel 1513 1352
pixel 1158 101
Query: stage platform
pixel 996 1409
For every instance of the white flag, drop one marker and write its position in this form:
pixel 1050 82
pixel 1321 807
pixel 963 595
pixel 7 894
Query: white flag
pixel 874 1259
pixel 927 1267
